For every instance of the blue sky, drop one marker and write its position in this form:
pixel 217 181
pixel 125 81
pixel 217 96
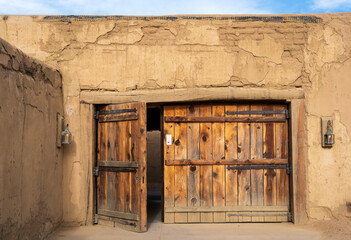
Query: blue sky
pixel 161 7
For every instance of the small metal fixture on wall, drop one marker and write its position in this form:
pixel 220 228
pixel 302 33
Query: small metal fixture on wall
pixel 66 136
pixel 63 135
pixel 328 138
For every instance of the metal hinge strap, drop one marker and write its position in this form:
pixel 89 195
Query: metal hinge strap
pixel 96 219
pixel 249 167
pixel 267 112
pixel 290 217
pixel 288 169
pixel 116 111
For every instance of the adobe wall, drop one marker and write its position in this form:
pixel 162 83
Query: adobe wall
pixel 30 162
pixel 121 55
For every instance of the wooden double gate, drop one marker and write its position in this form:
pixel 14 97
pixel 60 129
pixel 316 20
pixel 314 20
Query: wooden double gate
pixel 222 163
pixel 226 163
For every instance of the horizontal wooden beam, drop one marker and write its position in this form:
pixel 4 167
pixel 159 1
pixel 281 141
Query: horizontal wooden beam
pixel 226 162
pixel 189 94
pixel 118 164
pixel 228 209
pixel 258 214
pixel 116 214
pixel 118 118
pixel 122 223
pixel 225 119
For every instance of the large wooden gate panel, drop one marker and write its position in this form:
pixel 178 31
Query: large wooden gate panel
pixel 216 167
pixel 121 166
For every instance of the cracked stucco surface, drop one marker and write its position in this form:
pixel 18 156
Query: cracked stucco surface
pixel 30 163
pixel 158 54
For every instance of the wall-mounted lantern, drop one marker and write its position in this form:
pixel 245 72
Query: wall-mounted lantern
pixel 66 136
pixel 63 135
pixel 328 138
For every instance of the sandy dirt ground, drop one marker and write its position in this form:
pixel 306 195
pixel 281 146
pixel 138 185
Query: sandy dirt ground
pixel 336 229
pixel 323 230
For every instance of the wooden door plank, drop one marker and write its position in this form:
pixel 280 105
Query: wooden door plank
pixel 134 151
pixel 281 150
pixel 193 150
pixel 231 146
pixel 218 170
pixel 120 181
pixel 111 156
pixel 257 194
pixel 142 156
pixel 127 158
pixel 244 183
pixel 168 128
pixel 180 172
pixel 102 179
pixel 270 185
pixel 206 193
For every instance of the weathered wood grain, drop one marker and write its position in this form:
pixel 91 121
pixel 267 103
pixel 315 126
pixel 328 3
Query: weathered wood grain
pixel 218 170
pixel 222 119
pixel 231 147
pixel 244 184
pixel 122 144
pixel 168 128
pixel 270 184
pixel 189 95
pixel 281 150
pixel 257 191
pixel 193 150
pixel 206 190
pixel 142 156
pixel 180 172
pixel 263 161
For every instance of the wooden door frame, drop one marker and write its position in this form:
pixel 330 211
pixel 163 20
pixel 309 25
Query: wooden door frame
pixel 297 134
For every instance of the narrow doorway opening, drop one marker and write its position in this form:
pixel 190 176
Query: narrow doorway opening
pixel 154 164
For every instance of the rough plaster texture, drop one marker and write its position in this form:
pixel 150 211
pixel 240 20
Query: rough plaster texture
pixel 30 162
pixel 127 55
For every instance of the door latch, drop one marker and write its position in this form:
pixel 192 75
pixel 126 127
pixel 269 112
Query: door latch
pixel 96 171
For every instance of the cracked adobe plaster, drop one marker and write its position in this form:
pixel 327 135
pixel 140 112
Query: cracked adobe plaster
pixel 128 55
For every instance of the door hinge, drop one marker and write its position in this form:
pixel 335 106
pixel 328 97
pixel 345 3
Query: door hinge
pixel 290 217
pixel 288 170
pixel 287 114
pixel 96 115
pixel 96 171
pixel 95 219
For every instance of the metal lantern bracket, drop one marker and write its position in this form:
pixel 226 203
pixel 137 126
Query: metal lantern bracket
pixel 327 138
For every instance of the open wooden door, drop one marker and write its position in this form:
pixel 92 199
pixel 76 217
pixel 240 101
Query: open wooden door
pixel 121 192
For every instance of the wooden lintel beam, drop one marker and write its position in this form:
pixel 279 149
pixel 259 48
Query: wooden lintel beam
pixel 189 94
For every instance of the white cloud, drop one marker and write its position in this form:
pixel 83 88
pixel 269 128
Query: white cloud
pixel 331 4
pixel 25 7
pixel 132 7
